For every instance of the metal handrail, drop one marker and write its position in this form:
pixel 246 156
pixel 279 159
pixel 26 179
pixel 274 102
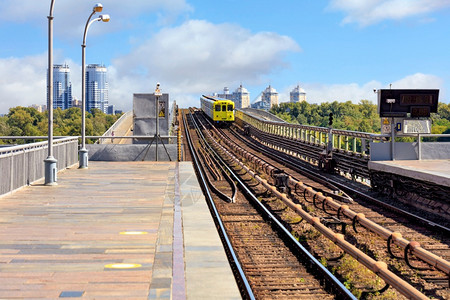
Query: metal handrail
pixel 15 148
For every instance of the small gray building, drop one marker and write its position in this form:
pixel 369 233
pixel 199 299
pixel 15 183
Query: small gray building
pixel 146 109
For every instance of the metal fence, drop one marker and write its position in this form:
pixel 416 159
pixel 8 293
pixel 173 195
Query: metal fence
pixel 24 164
pixel 351 141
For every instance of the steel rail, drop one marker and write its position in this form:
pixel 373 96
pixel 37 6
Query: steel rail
pixel 378 267
pixel 244 286
pixel 394 237
pixel 336 286
pixel 316 177
pixel 432 225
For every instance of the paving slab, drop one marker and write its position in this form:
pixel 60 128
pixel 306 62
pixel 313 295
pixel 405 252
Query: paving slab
pixel 434 171
pixel 117 230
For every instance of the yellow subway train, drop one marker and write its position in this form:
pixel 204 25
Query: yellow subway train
pixel 220 111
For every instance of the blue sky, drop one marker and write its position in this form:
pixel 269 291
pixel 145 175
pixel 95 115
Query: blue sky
pixel 336 49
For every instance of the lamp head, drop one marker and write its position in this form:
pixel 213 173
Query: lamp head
pixel 98 7
pixel 104 18
pixel 158 90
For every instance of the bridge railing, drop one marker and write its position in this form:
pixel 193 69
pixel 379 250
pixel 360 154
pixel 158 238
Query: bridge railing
pixel 111 129
pixel 24 164
pixel 346 140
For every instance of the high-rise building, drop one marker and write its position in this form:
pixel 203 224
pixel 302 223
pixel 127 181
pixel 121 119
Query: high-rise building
pixel 241 97
pixel 62 87
pixel 96 88
pixel 270 97
pixel 226 94
pixel 298 94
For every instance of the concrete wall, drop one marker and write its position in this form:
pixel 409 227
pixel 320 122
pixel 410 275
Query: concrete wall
pixel 116 152
pixel 409 151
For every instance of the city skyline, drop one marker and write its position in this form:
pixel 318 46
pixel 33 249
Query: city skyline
pixel 337 50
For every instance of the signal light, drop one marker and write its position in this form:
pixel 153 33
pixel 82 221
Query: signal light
pixel 330 120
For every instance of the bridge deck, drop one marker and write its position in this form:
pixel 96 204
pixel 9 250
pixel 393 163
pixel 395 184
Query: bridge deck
pixel 113 231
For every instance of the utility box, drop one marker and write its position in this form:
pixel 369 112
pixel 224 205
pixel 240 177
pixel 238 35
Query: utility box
pixel 147 108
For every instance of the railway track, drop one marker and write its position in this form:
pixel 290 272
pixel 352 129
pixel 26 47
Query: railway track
pixel 268 255
pixel 435 283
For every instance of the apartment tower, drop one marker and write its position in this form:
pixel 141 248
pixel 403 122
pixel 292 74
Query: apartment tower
pixel 96 88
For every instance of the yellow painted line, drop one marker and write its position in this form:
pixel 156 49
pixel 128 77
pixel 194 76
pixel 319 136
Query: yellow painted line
pixel 133 232
pixel 123 266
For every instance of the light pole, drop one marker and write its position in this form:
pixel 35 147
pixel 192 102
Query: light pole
pixel 83 153
pixel 50 161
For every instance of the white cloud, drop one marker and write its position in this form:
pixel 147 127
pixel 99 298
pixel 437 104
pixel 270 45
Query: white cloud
pixel 198 57
pixel 318 93
pixel 70 16
pixel 194 58
pixel 22 81
pixel 372 11
pixel 418 81
pixel 28 75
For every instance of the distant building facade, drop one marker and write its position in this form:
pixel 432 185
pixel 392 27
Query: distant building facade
pixel 39 108
pixel 76 103
pixel 270 96
pixel 62 87
pixel 267 99
pixel 111 109
pixel 297 95
pixel 96 88
pixel 226 94
pixel 241 97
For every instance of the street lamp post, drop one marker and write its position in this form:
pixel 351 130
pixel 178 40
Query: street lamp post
pixel 83 153
pixel 50 161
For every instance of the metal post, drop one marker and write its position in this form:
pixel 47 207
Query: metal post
pixel 419 151
pixel 392 139
pixel 83 152
pixel 330 141
pixel 363 146
pixel 179 143
pixel 50 161
pixel 157 126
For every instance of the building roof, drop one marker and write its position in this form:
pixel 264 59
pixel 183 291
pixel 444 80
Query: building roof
pixel 270 89
pixel 298 89
pixel 241 90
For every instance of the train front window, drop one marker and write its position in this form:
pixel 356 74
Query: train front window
pixel 217 108
pixel 230 107
pixel 224 108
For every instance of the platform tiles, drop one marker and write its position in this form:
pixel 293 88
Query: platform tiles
pixel 117 230
pixel 435 171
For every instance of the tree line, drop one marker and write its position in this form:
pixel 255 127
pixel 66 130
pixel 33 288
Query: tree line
pixel 27 121
pixel 348 116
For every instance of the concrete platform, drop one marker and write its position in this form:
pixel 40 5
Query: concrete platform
pixel 117 230
pixel 435 171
